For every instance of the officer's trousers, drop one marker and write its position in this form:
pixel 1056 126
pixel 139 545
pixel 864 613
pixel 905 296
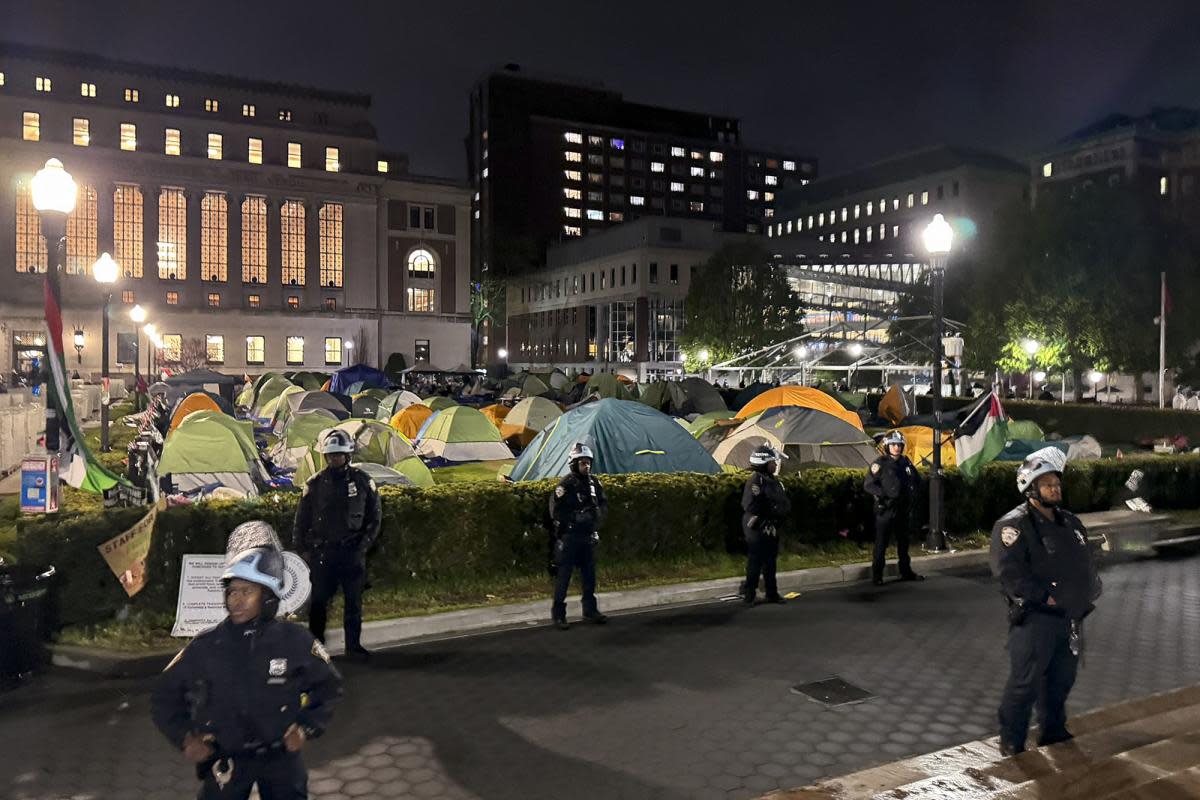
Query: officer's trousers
pixel 344 567
pixel 279 776
pixel 761 558
pixel 1042 670
pixel 890 524
pixel 575 551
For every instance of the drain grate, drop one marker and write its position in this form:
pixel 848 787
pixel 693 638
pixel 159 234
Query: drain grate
pixel 832 692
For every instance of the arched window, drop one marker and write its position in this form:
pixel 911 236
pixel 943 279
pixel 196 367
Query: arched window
pixel 421 264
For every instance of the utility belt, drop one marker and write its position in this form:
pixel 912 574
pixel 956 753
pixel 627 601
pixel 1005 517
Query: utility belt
pixel 223 764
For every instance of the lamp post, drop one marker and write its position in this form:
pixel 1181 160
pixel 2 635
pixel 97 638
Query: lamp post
pixel 1031 347
pixel 138 315
pixel 350 352
pixel 78 339
pixel 105 272
pixel 939 237
pixel 54 195
pixel 1095 377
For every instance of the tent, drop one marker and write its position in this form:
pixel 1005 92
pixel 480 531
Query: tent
pixel 681 398
pixel 806 436
pixel 267 395
pixel 409 420
pixel 607 386
pixel 393 403
pixel 625 436
pixel 437 402
pixel 918 445
pixel 1025 429
pixel 283 408
pixel 365 406
pixel 533 386
pixel 338 404
pixel 367 377
pixel 749 393
pixel 801 396
pixel 1075 448
pixel 528 418
pixel 496 413
pixel 462 433
pixel 299 434
pixel 385 476
pixel 209 450
pixel 557 380
pixel 308 381
pixel 897 404
pixel 196 401
pixel 705 421
pixel 375 443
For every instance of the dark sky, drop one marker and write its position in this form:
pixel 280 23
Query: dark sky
pixel 850 82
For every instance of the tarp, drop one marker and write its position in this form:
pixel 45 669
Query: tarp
pixel 1076 448
pixel 196 401
pixel 496 413
pixel 462 433
pixel 395 402
pixel 527 419
pixel 918 445
pixel 437 402
pixel 625 436
pixel 409 420
pixel 210 447
pixel 801 396
pixel 606 385
pixel 368 377
pixel 807 437
pixel 897 405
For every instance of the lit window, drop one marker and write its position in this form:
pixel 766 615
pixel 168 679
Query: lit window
pixel 697 155
pixel 697 172
pixel 214 237
pixel 716 156
pixel 895 204
pixel 333 161
pixel 676 186
pixel 572 156
pixel 572 174
pixel 789 226
pixel 843 236
pixel 293 302
pixel 172 347
pixel 1048 169
pixel 768 213
pixel 572 212
pixel 41 84
pixel 895 231
pixel 911 200
pixel 856 235
pixel 31 245
pixel 1 78
pixel 595 215
pixel 924 198
pixel 573 137
pixel 636 200
pixel 172 101
pixel 211 106
pixel 485 172
pixel 248 109
pixel 87 90
pixel 696 206
pixel 596 141
pixel 256 349
pixel 770 180
pixel 810 222
pixel 291 240
pixel 293 155
pixel 616 144
pixel 215 146
pixel 128 232
pixel 254 151
pixel 789 166
pixel 214 300
pixel 870 208
pixel 821 219
pixel 333 350
pixel 845 216
pixel 285 115
pixel 769 197
pixel 128 297
pixel 329 220
pixel 595 177
pixel 657 166
pixel 420 300
pixel 572 230
pixel 172 235
pixel 295 350
pixel 751 194
pixel 172 298
pixel 572 194
pixel 254 301
pixel 869 232
pixel 1162 185
pixel 381 166
pixel 254 239
pixel 128 136
pixel 81 232
pixel 857 210
pixel 171 142
pixel 31 128
pixel 678 152
pixel 882 231
pixel 214 346
pixel 615 216
pixel 132 96
pixel 80 132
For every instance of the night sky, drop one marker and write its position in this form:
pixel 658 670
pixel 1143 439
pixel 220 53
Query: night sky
pixel 848 82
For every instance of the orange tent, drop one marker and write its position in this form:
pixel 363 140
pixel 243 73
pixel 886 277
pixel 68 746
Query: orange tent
pixel 196 401
pixel 410 420
pixel 801 396
pixel 325 386
pixel 496 413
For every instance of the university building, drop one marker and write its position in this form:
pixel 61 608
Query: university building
pixel 257 221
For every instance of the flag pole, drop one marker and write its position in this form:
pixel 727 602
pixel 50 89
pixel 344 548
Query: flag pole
pixel 1162 342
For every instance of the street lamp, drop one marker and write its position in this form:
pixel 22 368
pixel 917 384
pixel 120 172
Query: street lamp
pixel 502 353
pixel 703 356
pixel 938 237
pixel 54 195
pixel 1094 376
pixel 78 340
pixel 105 271
pixel 856 349
pixel 1031 347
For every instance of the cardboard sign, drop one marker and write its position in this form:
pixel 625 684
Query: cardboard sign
pixel 201 603
pixel 126 553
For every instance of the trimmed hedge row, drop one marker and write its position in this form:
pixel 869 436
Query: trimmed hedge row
pixel 497 529
pixel 1108 423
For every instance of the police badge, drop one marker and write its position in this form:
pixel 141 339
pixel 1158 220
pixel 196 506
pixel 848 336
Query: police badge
pixel 1009 535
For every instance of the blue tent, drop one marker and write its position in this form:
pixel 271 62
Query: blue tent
pixel 625 436
pixel 366 377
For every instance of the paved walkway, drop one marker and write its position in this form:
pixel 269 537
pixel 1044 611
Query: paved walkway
pixel 690 702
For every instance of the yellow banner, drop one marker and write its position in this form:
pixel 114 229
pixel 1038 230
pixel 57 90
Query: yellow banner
pixel 126 553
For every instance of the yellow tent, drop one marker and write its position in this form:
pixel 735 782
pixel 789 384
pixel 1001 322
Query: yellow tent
pixel 196 401
pixel 527 419
pixel 801 396
pixel 897 404
pixel 410 420
pixel 496 413
pixel 918 445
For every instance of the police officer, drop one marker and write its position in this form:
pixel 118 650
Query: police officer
pixel 1040 553
pixel 337 521
pixel 241 699
pixel 893 481
pixel 764 507
pixel 577 507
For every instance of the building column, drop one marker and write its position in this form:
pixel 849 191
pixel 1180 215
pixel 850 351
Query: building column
pixel 312 254
pixel 641 330
pixel 104 218
pixel 273 291
pixel 150 242
pixel 193 294
pixel 234 250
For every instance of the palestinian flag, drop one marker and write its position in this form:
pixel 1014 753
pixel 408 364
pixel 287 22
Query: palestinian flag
pixel 78 466
pixel 980 437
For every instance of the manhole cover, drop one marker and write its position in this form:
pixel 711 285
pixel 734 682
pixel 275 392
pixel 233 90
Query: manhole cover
pixel 832 692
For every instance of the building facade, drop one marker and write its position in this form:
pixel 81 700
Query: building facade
pixel 257 222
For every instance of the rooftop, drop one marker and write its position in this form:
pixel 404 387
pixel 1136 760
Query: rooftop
pixel 1170 119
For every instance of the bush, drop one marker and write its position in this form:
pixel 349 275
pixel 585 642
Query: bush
pixel 496 530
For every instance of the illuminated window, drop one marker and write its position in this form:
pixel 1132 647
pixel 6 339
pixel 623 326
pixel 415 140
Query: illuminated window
pixel 215 146
pixel 1 78
pixel 81 232
pixel 821 219
pixel 172 101
pixel 254 300
pixel 132 96
pixel 31 245
pixel 768 197
pixel 856 235
pixel 657 166
pixel 595 177
pixel 87 90
pixel 810 222
pixel 1048 169
pixel 596 141
pixel 333 350
pixel 211 106
pixel 572 194
pixel 573 137
pixel 1162 185
pixel 895 203
pixel 420 300
pixel 42 84
pixel 595 215
pixel 31 130
pixel 870 208
pixel 248 109
pixel 844 214
pixel 333 161
pixel 293 155
pixel 636 200
pixel 843 236
pixel 128 136
pixel 214 237
pixel 128 297
pixel 695 206
pixel 857 210
pixel 381 166
pixel 254 239
pixel 572 156
pixel 80 132
pixel 330 223
pixel 254 151
pixel 172 298
pixel 214 300
pixel 716 156
pixel 484 174
pixel 615 216
pixel 911 200
pixel 172 348
pixel 616 144
pixel 172 235
pixel 293 302
pixel 678 152
pixel 895 231
pixel 771 180
pixel 421 264
pixel 676 186
pixel 128 235
pixel 697 172
pixel 295 350
pixel 789 166
pixel 869 232
pixel 882 231
pixel 256 349
pixel 751 194
pixel 924 198
pixel 214 347
pixel 291 234
pixel 171 142
pixel 572 212
pixel 285 115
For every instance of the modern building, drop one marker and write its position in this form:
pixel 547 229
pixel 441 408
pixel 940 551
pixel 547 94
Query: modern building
pixel 257 221
pixel 552 160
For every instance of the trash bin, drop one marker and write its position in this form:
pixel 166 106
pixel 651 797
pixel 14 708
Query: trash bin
pixel 24 620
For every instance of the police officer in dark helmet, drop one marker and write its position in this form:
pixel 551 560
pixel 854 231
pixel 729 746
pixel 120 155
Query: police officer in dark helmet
pixel 765 506
pixel 1040 553
pixel 893 481
pixel 242 699
pixel 577 507
pixel 337 521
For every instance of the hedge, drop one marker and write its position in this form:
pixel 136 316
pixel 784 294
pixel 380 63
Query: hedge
pixel 493 529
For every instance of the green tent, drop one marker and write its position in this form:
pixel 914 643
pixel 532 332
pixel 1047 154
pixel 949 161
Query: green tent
pixel 606 385
pixel 438 402
pixel 309 381
pixel 211 449
pixel 681 398
pixel 374 442
pixel 624 436
pixel 299 434
pixel 394 403
pixel 266 399
pixel 283 409
pixel 705 421
pixel 1025 429
pixel 462 433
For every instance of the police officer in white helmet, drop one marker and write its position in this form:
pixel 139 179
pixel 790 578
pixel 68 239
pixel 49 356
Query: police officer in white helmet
pixel 765 506
pixel 577 507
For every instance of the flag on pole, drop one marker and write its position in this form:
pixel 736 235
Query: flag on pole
pixel 79 467
pixel 980 437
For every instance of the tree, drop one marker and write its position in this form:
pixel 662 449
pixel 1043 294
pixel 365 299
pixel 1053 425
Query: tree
pixel 360 353
pixel 487 310
pixel 193 354
pixel 738 300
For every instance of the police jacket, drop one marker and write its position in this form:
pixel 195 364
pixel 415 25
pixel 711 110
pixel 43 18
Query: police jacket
pixel 245 685
pixel 339 507
pixel 577 505
pixel 764 501
pixel 1037 558
pixel 892 481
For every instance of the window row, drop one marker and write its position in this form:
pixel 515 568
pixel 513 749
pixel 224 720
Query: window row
pixel 173 344
pixel 172 233
pixel 585 282
pixel 865 235
pixel 832 217
pixel 634 165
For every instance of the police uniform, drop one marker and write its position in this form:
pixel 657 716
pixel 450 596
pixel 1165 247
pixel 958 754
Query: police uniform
pixel 894 483
pixel 1038 559
pixel 239 688
pixel 765 506
pixel 577 507
pixel 337 521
